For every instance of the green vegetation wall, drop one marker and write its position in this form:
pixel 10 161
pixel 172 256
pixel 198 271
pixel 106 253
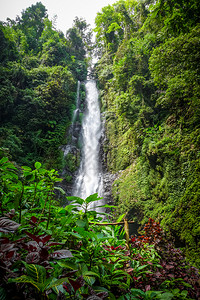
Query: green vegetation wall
pixel 39 70
pixel 148 74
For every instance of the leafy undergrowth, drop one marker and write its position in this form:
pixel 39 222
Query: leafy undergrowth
pixel 51 252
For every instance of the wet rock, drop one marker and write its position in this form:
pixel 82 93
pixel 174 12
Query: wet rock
pixel 108 179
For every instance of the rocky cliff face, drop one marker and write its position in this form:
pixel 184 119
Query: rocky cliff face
pixel 108 176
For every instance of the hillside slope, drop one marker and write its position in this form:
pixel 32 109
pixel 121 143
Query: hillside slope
pixel 148 74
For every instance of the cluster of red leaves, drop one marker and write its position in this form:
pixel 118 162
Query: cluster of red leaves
pixel 153 234
pixel 33 248
pixel 172 263
pixel 112 248
pixel 115 252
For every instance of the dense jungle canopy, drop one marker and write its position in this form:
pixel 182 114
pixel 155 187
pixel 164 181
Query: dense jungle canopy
pixel 39 71
pixel 148 74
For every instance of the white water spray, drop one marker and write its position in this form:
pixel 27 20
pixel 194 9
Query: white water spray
pixel 89 179
pixel 76 111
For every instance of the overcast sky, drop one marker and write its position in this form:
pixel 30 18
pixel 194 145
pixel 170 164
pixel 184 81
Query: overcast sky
pixel 66 10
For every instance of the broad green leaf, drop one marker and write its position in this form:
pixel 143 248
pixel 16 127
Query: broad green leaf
pixel 90 273
pixel 67 220
pixel 38 165
pixel 71 207
pixel 56 283
pixel 83 268
pixel 57 289
pixel 84 233
pixel 36 272
pixel 99 289
pixel 141 267
pixel 137 292
pixel 76 235
pixel 166 296
pixel 152 294
pixel 75 200
pixel 27 279
pixel 107 206
pixel 81 223
pixel 68 265
pixel 92 198
pixel 62 211
pixel 89 280
pixel 100 236
pixel 184 293
pixel 25 168
pixel 48 282
pixel 30 177
pixel 3 160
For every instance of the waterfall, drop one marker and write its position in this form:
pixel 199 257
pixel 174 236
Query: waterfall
pixel 89 179
pixel 74 129
pixel 76 111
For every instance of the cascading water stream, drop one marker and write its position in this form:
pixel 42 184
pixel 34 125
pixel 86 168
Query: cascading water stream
pixel 76 111
pixel 89 179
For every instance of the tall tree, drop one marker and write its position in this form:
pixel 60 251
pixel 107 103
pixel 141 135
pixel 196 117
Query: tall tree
pixel 32 24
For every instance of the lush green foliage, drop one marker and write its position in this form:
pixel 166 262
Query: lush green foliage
pixel 38 78
pixel 53 252
pixel 148 71
pixel 149 75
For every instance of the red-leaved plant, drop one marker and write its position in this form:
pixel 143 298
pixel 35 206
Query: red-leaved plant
pixel 33 249
pixel 172 265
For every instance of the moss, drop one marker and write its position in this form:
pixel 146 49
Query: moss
pixel 120 148
pixel 186 218
pixel 68 178
pixel 163 184
pixel 72 162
